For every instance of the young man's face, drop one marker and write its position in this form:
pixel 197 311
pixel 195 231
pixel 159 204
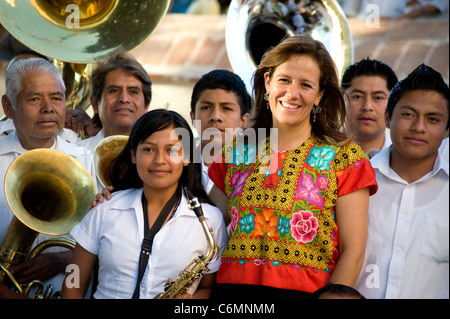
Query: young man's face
pixel 418 125
pixel 217 109
pixel 367 99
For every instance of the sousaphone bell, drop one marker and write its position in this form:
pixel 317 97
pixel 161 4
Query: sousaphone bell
pixel 254 26
pixel 79 33
pixel 104 153
pixel 49 192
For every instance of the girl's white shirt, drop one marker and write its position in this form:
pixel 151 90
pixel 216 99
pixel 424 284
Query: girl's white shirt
pixel 114 231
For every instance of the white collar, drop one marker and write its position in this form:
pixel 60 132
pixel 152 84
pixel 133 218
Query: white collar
pixel 11 144
pixel 380 162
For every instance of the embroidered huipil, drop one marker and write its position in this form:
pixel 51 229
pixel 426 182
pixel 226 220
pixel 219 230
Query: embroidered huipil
pixel 283 231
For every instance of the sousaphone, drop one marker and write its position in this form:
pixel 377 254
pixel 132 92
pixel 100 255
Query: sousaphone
pixel 78 33
pixel 48 192
pixel 254 26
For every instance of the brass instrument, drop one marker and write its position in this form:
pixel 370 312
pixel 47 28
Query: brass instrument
pixel 77 34
pixel 104 153
pixel 254 26
pixel 76 78
pixel 192 271
pixel 49 192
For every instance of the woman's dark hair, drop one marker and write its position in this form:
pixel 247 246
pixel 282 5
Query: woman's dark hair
pixel 332 121
pixel 123 171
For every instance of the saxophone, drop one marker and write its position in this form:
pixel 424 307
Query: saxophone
pixel 192 271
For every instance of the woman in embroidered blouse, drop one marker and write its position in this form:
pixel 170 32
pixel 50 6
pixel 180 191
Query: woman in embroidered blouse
pixel 296 206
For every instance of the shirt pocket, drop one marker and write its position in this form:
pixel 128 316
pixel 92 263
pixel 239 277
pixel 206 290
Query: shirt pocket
pixel 435 243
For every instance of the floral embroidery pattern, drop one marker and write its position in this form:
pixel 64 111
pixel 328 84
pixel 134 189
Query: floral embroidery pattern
pixel 309 190
pixel 282 213
pixel 237 181
pixel 320 157
pixel 234 219
pixel 304 226
pixel 247 223
pixel 266 224
pixel 283 225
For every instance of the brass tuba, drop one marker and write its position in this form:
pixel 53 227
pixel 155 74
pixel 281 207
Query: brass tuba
pixel 192 272
pixel 104 153
pixel 254 26
pixel 78 33
pixel 49 192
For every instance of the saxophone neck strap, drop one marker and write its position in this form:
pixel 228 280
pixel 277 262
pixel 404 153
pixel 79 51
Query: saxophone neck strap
pixel 150 233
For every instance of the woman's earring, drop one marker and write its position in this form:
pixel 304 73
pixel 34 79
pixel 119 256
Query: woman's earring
pixel 316 110
pixel 266 98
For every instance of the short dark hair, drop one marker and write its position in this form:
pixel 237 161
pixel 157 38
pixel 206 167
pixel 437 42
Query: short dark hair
pixel 225 80
pixel 337 289
pixel 423 78
pixel 368 67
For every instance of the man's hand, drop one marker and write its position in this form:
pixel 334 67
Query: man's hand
pixel 79 121
pixel 41 267
pixel 6 293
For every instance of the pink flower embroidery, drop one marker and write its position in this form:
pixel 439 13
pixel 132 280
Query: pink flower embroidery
pixel 234 219
pixel 309 190
pixel 304 226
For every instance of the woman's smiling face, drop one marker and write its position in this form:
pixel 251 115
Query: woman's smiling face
pixel 293 89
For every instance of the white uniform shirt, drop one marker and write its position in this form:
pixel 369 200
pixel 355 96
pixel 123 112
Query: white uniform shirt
pixel 387 143
pixel 91 142
pixel 206 181
pixel 444 150
pixel 114 231
pixel 7 127
pixel 408 237
pixel 11 148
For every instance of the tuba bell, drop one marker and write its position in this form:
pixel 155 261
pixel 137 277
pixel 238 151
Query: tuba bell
pixel 49 192
pixel 77 34
pixel 104 153
pixel 254 26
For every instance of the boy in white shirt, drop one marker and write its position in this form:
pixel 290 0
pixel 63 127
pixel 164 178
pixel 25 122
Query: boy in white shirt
pixel 408 237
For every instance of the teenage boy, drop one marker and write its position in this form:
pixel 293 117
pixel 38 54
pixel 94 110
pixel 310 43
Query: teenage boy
pixel 408 237
pixel 220 104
